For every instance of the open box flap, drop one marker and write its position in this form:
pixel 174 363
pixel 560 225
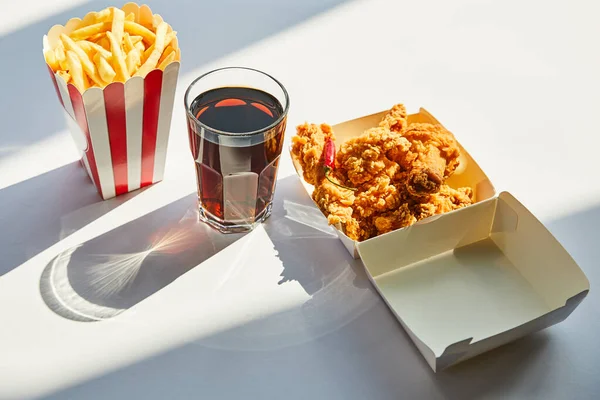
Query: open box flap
pixel 469 173
pixel 522 279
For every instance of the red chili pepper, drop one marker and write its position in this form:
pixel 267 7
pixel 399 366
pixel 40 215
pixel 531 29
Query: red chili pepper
pixel 329 161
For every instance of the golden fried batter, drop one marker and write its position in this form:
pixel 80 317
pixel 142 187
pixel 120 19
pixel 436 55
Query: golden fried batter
pixel 447 199
pixel 396 119
pixel 308 145
pixel 433 157
pixel 364 157
pixel 399 218
pixel 335 202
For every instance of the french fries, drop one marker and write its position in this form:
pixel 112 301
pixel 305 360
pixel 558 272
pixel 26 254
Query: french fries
pixel 127 43
pixel 118 24
pixel 106 71
pixel 111 45
pixel 136 29
pixel 118 58
pixel 159 47
pixel 76 71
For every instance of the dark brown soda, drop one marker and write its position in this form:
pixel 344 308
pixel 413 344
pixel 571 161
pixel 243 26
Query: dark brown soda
pixel 236 168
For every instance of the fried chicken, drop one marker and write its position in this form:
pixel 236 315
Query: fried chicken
pixel 364 157
pixel 398 218
pixel 396 119
pixel 446 200
pixel 397 171
pixel 307 146
pixel 334 201
pixel 433 157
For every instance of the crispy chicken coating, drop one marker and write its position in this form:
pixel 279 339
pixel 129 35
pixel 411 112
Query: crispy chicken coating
pixel 364 157
pixel 308 145
pixel 335 202
pixel 433 157
pixel 396 120
pixel 446 200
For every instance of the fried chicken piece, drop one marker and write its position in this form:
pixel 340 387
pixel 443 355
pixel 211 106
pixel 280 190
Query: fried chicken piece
pixel 447 199
pixel 378 195
pixel 359 229
pixel 307 147
pixel 396 119
pixel 335 202
pixel 396 219
pixel 432 157
pixel 364 157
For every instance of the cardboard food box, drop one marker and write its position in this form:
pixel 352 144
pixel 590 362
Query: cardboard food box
pixel 468 281
pixel 467 174
pixel 121 131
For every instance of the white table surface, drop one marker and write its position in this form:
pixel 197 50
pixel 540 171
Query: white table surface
pixel 284 313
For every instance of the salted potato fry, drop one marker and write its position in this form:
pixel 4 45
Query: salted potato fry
pixel 118 59
pixel 147 53
pixel 118 24
pixel 165 54
pixel 90 30
pixel 127 44
pixel 135 39
pixel 130 17
pixel 105 70
pixel 90 47
pixel 76 70
pixel 168 60
pixel 104 43
pixel 133 61
pixel 60 55
pixel 140 47
pixel 51 60
pixel 169 38
pixel 134 28
pixel 96 37
pixel 159 46
pixel 104 15
pixel 65 75
pixel 86 63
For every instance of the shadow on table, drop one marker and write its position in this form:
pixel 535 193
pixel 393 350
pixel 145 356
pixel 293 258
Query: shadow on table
pixel 370 358
pixel 109 274
pixel 207 30
pixel 342 342
pixel 104 276
pixel 367 355
pixel 37 213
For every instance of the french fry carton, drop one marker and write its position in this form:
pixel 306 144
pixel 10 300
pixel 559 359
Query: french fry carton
pixel 121 130
pixel 473 279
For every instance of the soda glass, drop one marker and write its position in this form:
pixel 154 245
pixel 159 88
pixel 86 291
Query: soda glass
pixel 236 121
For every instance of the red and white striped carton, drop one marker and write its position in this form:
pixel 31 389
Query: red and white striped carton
pixel 122 130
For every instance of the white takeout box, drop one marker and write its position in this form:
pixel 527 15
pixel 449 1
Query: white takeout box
pixel 468 173
pixel 468 281
pixel 474 279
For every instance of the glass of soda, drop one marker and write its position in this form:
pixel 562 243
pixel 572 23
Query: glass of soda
pixel 236 122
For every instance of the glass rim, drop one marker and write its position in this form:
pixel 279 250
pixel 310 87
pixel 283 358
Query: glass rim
pixel 244 134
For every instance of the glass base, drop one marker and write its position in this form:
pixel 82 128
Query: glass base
pixel 231 227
